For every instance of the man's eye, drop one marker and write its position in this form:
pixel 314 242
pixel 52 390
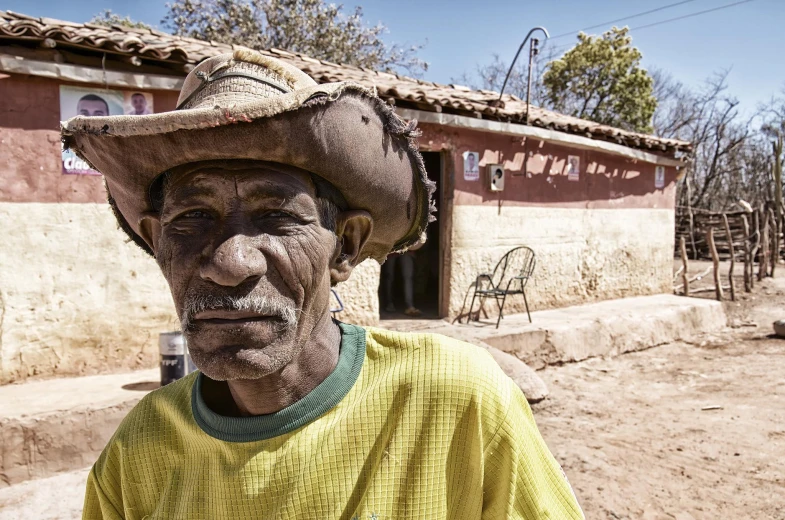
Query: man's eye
pixel 196 214
pixel 277 215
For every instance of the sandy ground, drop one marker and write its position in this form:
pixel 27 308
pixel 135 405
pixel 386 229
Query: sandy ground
pixel 634 433
pixel 59 497
pixel 637 439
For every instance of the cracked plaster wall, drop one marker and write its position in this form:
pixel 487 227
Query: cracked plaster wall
pixel 582 255
pixel 77 298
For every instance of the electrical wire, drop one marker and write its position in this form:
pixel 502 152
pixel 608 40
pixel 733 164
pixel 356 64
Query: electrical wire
pixel 690 15
pixel 603 24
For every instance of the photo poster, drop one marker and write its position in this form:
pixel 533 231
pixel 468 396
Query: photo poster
pixel 573 168
pixel 659 177
pixel 471 166
pixel 93 102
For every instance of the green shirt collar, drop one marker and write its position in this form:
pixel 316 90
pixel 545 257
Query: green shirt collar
pixel 319 401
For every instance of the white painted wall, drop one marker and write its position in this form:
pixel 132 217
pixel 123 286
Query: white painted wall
pixel 583 255
pixel 76 297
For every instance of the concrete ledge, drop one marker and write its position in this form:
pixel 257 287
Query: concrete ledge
pixel 63 424
pixel 606 328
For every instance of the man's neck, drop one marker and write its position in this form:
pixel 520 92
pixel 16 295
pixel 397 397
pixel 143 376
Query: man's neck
pixel 316 360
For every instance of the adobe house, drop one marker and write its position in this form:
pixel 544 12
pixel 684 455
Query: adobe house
pixel 595 203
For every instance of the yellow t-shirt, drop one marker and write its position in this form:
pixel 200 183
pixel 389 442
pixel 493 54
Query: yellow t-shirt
pixel 408 426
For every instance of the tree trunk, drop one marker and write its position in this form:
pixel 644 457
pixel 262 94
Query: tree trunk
pixel 778 188
pixel 774 243
pixel 755 245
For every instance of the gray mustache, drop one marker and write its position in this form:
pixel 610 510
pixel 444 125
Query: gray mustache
pixel 282 309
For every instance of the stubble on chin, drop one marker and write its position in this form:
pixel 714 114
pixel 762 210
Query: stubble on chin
pixel 228 357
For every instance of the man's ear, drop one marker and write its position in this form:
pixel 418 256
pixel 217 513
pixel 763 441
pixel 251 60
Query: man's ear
pixel 353 229
pixel 150 229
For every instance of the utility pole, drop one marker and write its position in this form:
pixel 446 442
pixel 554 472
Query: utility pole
pixel 533 51
pixel 499 102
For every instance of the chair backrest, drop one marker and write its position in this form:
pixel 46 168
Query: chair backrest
pixel 337 298
pixel 518 262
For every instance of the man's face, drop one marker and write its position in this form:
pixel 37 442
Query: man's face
pixel 92 107
pixel 471 161
pixel 247 260
pixel 139 103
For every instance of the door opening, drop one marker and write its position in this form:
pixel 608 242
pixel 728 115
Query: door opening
pixel 409 284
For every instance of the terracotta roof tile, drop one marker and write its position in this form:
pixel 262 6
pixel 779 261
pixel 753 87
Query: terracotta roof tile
pixel 155 45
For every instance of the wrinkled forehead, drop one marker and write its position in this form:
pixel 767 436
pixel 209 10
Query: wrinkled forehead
pixel 237 178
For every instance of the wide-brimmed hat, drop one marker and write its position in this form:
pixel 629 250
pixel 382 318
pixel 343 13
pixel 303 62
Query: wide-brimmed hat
pixel 249 106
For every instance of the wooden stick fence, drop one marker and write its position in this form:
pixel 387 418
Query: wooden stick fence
pixel 694 232
pixel 720 236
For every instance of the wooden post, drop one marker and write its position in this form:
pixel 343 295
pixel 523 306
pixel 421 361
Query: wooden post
pixel 747 262
pixel 715 258
pixel 692 235
pixel 763 266
pixel 684 275
pixel 755 244
pixel 732 257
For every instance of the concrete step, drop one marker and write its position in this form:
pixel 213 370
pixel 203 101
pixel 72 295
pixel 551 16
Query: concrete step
pixel 47 427
pixel 609 328
pixel 576 333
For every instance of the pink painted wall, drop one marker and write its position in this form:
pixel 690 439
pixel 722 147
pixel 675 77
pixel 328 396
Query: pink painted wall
pixel 536 173
pixel 30 161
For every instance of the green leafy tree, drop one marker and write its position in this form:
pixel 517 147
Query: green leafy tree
pixel 108 18
pixel 311 27
pixel 601 79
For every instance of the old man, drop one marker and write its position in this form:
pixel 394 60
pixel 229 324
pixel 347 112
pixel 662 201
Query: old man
pixel 257 195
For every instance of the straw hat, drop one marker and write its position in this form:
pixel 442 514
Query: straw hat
pixel 249 106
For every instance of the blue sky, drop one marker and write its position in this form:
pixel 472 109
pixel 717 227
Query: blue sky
pixel 748 39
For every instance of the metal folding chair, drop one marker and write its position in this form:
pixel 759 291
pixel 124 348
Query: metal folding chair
pixel 509 277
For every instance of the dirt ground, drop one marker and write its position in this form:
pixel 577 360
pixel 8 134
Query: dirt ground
pixel 680 431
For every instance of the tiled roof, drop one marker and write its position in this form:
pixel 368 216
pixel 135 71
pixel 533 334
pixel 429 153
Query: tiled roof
pixel 177 52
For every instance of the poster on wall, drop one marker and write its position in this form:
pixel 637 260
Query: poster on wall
pixel 92 102
pixel 471 166
pixel 659 177
pixel 573 168
pixel 137 103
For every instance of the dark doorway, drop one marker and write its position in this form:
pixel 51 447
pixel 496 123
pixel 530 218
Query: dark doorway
pixel 423 265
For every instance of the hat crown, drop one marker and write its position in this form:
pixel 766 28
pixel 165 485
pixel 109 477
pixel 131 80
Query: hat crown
pixel 242 77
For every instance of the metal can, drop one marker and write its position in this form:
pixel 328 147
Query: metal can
pixel 175 361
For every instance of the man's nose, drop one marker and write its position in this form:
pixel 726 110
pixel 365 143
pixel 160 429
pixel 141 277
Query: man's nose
pixel 234 261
